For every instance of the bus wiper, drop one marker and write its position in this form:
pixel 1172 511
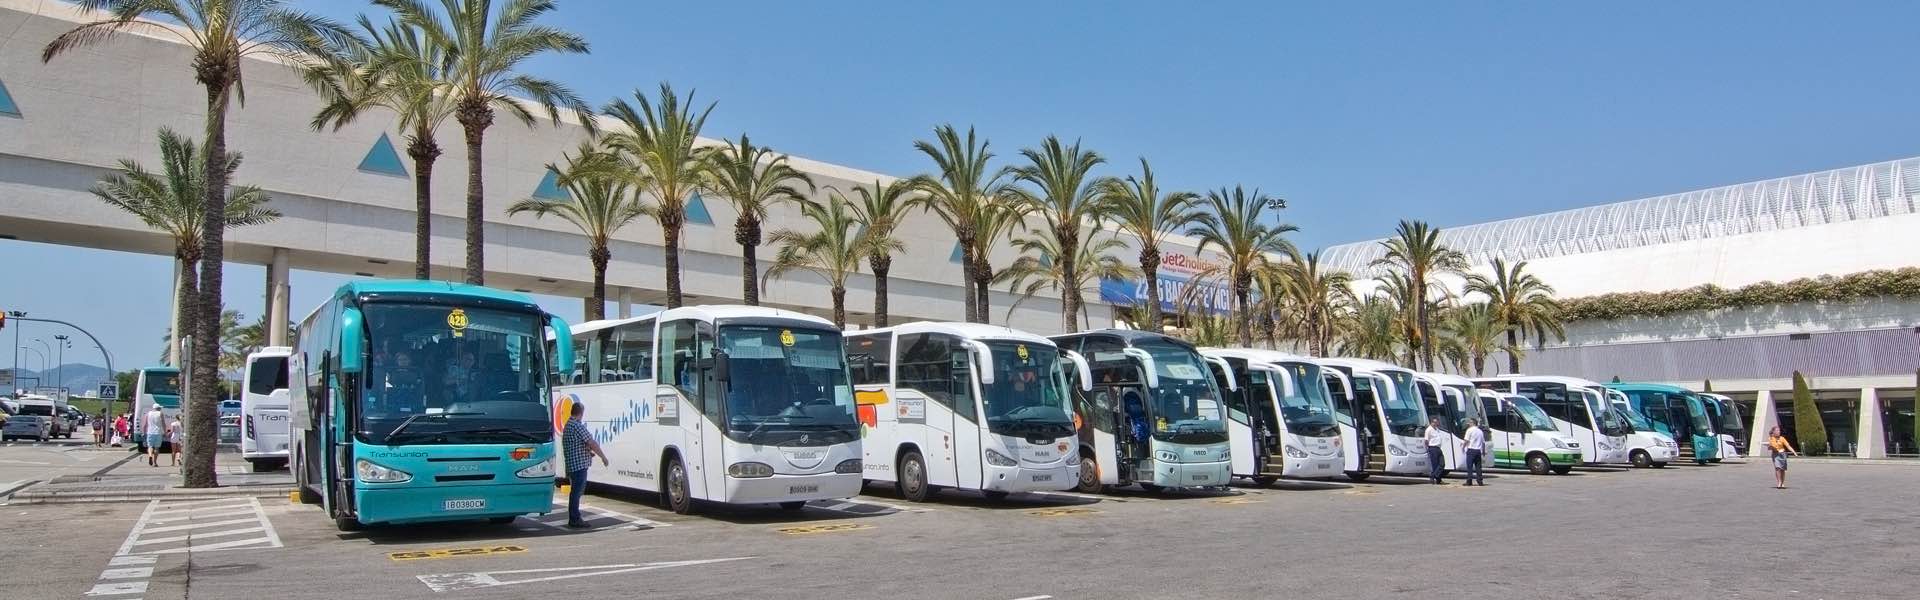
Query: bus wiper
pixel 492 430
pixel 439 415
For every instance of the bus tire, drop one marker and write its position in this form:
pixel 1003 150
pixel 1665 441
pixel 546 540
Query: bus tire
pixel 1538 464
pixel 1089 482
pixel 1265 480
pixel 1641 459
pixel 995 495
pixel 1713 460
pixel 911 480
pixel 792 506
pixel 1357 475
pixel 674 491
pixel 1153 488
pixel 502 520
pixel 347 523
pixel 1563 469
pixel 1659 465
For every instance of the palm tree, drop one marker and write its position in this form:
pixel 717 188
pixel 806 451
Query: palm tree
pixel 1319 298
pixel 754 179
pixel 1521 303
pixel 1472 333
pixel 1067 198
pixel 1039 268
pixel 1416 251
pixel 1235 226
pixel 880 211
pixel 401 71
pixel 221 34
pixel 1397 288
pixel 1375 330
pixel 958 193
pixel 1141 209
pixel 1207 329
pixel 597 203
pixel 482 51
pixel 833 251
pixel 170 202
pixel 658 141
pixel 996 220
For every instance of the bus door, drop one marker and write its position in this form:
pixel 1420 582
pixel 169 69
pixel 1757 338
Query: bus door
pixel 1241 426
pixel 1437 405
pixel 1119 399
pixel 687 398
pixel 1368 413
pixel 969 420
pixel 1353 436
pixel 1270 384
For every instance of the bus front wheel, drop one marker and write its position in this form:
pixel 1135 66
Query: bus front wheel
pixel 792 506
pixel 346 523
pixel 1357 475
pixel 678 498
pixel 1089 482
pixel 1538 464
pixel 1153 488
pixel 911 481
pixel 1563 469
pixel 1642 459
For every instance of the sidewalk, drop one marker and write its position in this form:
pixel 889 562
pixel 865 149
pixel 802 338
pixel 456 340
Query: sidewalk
pixel 132 480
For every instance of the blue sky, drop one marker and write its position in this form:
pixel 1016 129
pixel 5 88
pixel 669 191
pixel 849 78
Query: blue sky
pixel 1358 114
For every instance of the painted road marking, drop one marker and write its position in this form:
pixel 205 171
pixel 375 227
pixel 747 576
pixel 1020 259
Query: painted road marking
pixel 127 573
pixel 828 528
pixel 1360 492
pixel 200 526
pixel 454 552
pixel 598 518
pixel 118 589
pixel 1034 598
pixel 447 582
pixel 1235 501
pixel 1061 512
pixel 862 507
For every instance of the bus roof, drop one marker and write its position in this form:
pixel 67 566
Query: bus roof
pixel 160 369
pixel 1649 387
pixel 716 312
pixel 1253 354
pixel 1448 379
pixel 1364 364
pixel 1566 381
pixel 271 351
pixel 1131 336
pixel 978 331
pixel 415 286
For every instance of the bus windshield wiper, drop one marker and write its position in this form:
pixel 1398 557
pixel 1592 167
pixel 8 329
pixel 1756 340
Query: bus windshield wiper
pixel 439 415
pixel 501 430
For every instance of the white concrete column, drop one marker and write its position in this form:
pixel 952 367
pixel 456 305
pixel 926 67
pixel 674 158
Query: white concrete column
pixel 626 303
pixel 173 319
pixel 1870 438
pixel 279 295
pixel 1765 417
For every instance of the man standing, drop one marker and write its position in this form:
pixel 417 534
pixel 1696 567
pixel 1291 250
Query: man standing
pixel 154 428
pixel 1436 460
pixel 1476 448
pixel 580 450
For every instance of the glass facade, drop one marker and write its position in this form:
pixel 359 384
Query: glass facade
pixel 1896 419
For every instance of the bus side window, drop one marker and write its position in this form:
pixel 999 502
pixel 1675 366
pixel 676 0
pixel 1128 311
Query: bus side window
pixel 677 346
pixel 869 357
pixel 632 352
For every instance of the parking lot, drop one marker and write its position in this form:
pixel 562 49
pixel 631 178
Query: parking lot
pixel 1842 531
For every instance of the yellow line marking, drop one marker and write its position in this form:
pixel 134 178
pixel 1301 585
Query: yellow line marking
pixel 1235 501
pixel 1360 492
pixel 830 528
pixel 1061 512
pixel 455 552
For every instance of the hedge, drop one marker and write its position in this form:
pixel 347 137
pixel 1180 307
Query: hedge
pixel 1901 283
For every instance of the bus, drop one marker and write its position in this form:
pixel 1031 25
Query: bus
pixel 1279 415
pixel 1149 416
pixel 1677 412
pixel 416 401
pixel 1647 447
pixel 1380 416
pixel 263 409
pixel 723 404
pixel 1729 424
pixel 1452 398
pixel 154 385
pixel 1578 407
pixel 1520 435
pixel 964 406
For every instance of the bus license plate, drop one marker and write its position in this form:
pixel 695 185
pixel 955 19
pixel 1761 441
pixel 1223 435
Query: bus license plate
pixel 803 489
pixel 1048 477
pixel 1199 477
pixel 473 504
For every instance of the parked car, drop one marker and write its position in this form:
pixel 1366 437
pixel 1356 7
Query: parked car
pixel 230 422
pixel 37 417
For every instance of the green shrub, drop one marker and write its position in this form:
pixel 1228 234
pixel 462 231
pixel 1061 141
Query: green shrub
pixel 1901 283
pixel 1807 426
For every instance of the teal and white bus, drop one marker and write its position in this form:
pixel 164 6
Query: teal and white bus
pixel 1280 418
pixel 1677 412
pixel 1647 447
pixel 1729 424
pixel 722 404
pixel 154 385
pixel 1151 416
pixel 415 401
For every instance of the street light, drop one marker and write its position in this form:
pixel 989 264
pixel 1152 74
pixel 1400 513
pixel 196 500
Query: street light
pixel 39 374
pixel 60 364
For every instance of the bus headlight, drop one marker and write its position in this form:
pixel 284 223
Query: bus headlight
pixel 1293 452
pixel 1558 443
pixel 369 472
pixel 1395 450
pixel 995 458
pixel 749 470
pixel 1166 456
pixel 851 465
pixel 538 470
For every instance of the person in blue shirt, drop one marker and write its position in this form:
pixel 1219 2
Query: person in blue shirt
pixel 579 448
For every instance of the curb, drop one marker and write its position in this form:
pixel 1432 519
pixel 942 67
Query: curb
pixel 57 497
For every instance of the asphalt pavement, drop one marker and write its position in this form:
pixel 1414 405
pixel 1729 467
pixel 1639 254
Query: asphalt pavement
pixel 1721 531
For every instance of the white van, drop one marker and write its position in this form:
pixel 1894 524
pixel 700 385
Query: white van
pixel 263 409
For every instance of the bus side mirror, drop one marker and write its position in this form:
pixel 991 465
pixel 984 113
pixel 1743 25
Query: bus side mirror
pixel 562 343
pixel 985 356
pixel 353 341
pixel 1280 374
pixel 1149 372
pixel 722 366
pixel 1233 385
pixel 1080 367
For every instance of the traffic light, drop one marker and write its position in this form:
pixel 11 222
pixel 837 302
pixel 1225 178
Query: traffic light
pixel 3 319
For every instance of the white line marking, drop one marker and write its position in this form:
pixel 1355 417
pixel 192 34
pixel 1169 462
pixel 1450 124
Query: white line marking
pixel 268 524
pixel 134 534
pixel 840 506
pixel 129 573
pixel 200 536
pixel 461 581
pixel 179 503
pixel 196 525
pixel 122 561
pixel 116 589
pixel 218 546
pixel 1034 598
pixel 188 512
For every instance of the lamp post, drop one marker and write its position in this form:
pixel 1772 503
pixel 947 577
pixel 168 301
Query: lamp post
pixel 60 364
pixel 38 376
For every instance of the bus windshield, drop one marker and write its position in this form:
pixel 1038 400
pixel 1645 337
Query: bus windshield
pixel 1634 418
pixel 453 375
pixel 1403 408
pixel 1729 421
pixel 787 386
pixel 163 382
pixel 1697 413
pixel 1308 412
pixel 1028 396
pixel 1609 422
pixel 1535 418
pixel 1186 409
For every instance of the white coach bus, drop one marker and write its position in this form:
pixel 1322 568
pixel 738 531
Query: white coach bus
pixel 964 406
pixel 725 404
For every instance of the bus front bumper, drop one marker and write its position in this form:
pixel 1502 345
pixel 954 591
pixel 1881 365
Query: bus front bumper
pixel 1166 474
pixel 422 504
pixel 1312 467
pixel 1059 476
pixel 791 488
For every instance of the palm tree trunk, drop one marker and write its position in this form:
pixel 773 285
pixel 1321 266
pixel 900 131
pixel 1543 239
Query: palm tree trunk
pixel 600 256
pixel 1069 237
pixel 1513 358
pixel 670 235
pixel 746 231
pixel 424 151
pixel 840 306
pixel 1241 292
pixel 474 118
pixel 881 265
pixel 202 418
pixel 1150 269
pixel 966 271
pixel 982 287
pixel 186 290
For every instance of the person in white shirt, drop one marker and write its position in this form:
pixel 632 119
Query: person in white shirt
pixel 1436 460
pixel 1476 450
pixel 152 431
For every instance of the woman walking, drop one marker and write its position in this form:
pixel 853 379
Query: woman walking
pixel 1780 447
pixel 176 433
